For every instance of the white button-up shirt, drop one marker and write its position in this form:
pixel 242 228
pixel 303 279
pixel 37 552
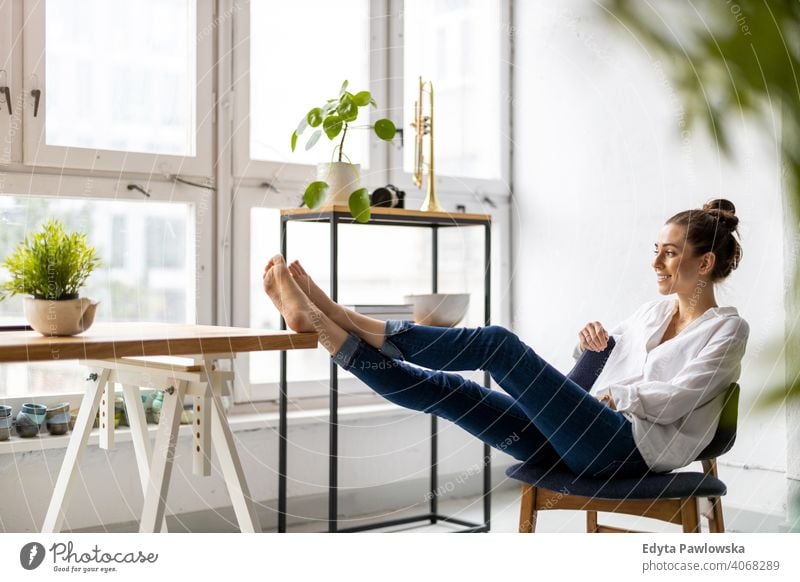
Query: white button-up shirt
pixel 672 392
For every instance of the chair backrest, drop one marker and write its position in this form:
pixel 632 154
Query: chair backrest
pixel 590 364
pixel 726 429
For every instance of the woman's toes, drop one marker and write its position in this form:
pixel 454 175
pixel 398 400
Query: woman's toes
pixel 276 259
pixel 299 267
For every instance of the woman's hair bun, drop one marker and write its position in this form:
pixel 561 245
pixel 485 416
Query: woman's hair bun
pixel 724 211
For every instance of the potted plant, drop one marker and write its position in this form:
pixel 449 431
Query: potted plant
pixel 50 266
pixel 338 182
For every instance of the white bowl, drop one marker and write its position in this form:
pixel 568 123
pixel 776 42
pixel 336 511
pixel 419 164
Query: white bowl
pixel 439 309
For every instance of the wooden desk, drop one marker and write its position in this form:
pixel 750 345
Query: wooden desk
pixel 111 349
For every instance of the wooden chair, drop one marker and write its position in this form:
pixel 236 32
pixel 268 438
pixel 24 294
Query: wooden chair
pixel 677 497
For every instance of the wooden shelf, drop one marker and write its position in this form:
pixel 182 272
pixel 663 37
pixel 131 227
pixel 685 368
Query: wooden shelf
pixel 380 215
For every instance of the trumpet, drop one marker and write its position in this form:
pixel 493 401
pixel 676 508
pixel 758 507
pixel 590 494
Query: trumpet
pixel 423 125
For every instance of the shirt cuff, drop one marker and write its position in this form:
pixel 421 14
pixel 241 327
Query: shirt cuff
pixel 625 398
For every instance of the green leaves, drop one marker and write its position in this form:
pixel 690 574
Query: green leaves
pixel 332 126
pixel 347 108
pixel 49 264
pixel 315 194
pixel 358 202
pixel 359 205
pixel 335 116
pixel 362 98
pixel 314 117
pixel 385 129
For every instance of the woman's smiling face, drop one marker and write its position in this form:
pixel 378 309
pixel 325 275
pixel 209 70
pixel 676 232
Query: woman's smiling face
pixel 677 268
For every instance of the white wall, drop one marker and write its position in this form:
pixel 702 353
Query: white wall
pixel 600 163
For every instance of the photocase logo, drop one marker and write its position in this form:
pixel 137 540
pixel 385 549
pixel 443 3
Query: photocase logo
pixel 32 555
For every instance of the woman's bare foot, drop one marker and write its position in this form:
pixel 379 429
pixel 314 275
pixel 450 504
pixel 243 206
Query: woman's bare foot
pixel 310 288
pixel 295 307
pixel 369 329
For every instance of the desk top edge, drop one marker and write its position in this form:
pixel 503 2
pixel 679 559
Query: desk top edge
pixel 147 339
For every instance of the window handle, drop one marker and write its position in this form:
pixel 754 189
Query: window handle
pixel 36 94
pixel 7 92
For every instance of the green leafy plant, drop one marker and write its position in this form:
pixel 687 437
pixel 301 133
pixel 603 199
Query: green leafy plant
pixel 334 119
pixel 49 264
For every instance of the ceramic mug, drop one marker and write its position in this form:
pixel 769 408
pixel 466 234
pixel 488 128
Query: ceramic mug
pixel 5 422
pixel 57 419
pixel 30 419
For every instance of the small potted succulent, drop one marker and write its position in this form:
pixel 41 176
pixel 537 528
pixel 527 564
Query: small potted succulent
pixel 338 182
pixel 51 266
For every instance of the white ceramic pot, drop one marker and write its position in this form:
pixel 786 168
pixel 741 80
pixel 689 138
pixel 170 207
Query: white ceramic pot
pixel 66 317
pixel 342 178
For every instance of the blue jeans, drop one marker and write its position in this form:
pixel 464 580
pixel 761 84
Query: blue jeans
pixel 543 417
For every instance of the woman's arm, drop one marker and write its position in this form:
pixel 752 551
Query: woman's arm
pixel 618 330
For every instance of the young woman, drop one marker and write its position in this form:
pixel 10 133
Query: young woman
pixel 654 407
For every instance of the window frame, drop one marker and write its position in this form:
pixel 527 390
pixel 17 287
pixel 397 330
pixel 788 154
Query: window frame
pixel 285 182
pixel 10 125
pixel 222 245
pixel 291 176
pixel 36 152
pixel 109 189
pixel 446 184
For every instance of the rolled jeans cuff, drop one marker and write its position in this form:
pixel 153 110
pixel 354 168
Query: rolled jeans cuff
pixel 344 357
pixel 393 327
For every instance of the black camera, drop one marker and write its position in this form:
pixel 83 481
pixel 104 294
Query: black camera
pixel 389 196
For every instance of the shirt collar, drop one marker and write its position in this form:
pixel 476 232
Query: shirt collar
pixel 671 305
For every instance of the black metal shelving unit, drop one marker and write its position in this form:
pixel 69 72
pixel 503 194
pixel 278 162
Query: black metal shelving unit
pixel 336 216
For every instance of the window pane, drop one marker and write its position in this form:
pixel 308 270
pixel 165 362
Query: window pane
pixel 300 52
pixel 456 45
pixel 121 75
pixel 147 273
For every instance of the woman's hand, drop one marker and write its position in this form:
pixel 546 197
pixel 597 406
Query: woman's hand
pixel 608 400
pixel 593 337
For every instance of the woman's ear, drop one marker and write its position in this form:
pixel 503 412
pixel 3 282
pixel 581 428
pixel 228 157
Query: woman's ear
pixel 707 263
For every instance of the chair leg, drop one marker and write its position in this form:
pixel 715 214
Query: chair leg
pixel 716 523
pixel 591 522
pixel 527 509
pixel 690 516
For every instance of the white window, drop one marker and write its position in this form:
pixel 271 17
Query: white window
pixel 461 47
pixel 291 57
pixel 122 85
pixel 147 274
pixel 127 86
pixel 389 44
